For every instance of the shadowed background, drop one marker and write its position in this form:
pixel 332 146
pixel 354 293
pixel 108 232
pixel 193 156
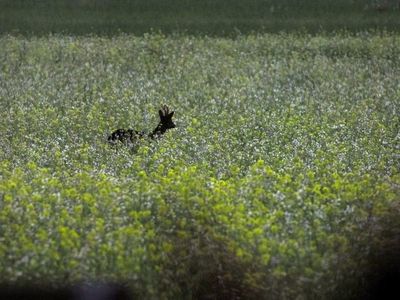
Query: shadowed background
pixel 222 17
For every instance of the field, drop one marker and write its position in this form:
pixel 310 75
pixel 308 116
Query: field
pixel 280 181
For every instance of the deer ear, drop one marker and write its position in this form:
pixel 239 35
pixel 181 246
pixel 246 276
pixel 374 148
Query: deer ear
pixel 161 113
pixel 171 114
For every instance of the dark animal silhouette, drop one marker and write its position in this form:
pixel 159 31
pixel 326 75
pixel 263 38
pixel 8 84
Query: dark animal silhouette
pixel 130 135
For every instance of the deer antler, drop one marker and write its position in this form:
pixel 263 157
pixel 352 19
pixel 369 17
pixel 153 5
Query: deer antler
pixel 165 110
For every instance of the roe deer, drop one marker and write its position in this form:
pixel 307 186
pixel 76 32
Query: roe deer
pixel 130 135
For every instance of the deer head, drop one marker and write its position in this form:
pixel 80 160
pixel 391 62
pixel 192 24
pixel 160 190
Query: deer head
pixel 165 122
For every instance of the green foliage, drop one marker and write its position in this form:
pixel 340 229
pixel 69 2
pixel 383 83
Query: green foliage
pixel 284 159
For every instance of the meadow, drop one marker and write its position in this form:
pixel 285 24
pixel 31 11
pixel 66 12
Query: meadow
pixel 280 181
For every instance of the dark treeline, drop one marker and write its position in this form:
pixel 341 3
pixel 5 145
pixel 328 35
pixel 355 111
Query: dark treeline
pixel 221 17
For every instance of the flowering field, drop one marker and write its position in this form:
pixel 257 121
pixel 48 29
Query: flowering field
pixel 281 179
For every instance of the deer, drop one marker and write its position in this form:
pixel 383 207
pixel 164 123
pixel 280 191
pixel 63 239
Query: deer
pixel 131 135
